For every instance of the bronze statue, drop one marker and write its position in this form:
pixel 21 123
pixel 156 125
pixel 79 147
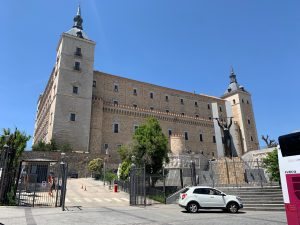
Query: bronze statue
pixel 227 137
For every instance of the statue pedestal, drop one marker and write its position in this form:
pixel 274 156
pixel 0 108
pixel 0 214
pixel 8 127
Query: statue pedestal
pixel 229 171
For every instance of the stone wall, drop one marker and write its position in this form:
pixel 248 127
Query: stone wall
pixel 76 161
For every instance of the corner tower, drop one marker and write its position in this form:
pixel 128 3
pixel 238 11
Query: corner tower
pixel 243 116
pixel 72 90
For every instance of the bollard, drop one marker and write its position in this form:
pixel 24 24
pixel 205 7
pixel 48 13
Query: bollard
pixel 115 187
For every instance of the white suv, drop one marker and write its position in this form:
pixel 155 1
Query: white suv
pixel 194 198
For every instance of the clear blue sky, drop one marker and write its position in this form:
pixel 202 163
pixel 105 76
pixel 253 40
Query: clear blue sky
pixel 188 45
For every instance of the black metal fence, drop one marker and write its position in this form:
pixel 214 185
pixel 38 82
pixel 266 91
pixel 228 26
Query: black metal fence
pixel 150 188
pixel 42 183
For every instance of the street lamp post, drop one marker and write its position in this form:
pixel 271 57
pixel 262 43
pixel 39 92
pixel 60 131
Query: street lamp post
pixel 86 166
pixel 104 166
pixel 64 169
pixel 132 182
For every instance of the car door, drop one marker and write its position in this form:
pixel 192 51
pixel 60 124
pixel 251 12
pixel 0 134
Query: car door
pixel 216 199
pixel 202 196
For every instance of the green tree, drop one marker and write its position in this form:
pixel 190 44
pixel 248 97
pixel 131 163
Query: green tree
pixel 150 146
pixel 51 146
pixel 16 142
pixel 110 176
pixel 272 166
pixel 96 165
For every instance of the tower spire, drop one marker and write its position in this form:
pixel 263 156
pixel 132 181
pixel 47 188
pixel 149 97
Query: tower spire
pixel 232 76
pixel 79 10
pixel 77 19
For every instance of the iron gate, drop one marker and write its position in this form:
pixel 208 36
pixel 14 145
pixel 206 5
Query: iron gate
pixel 42 183
pixel 137 186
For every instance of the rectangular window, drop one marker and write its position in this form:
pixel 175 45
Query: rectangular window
pixel 214 139
pixel 181 101
pixel 135 105
pixel 170 132
pixel 233 101
pixel 220 108
pixel 249 122
pixel 134 91
pixel 116 128
pixel 151 108
pixel 201 137
pixel 105 146
pixel 208 106
pixel 51 118
pixel 151 95
pixel 115 103
pixel 196 104
pixel 186 135
pixel 167 98
pixel 135 127
pixel 197 116
pixel 78 52
pixel 75 90
pixel 247 102
pixel 77 66
pixel 72 117
pixel 167 111
pixel 116 88
pixel 182 114
pixel 94 83
pixel 251 138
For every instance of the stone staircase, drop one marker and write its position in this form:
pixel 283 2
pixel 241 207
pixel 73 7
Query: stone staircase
pixel 259 199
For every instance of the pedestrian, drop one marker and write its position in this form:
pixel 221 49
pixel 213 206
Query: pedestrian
pixel 51 181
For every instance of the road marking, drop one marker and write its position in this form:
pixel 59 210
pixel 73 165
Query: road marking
pixel 117 200
pixel 125 199
pixel 98 200
pixel 107 199
pixel 87 199
pixel 77 200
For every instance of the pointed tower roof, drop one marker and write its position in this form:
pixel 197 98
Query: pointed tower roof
pixel 234 85
pixel 77 29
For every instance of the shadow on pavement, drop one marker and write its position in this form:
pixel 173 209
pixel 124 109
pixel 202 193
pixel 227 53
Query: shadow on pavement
pixel 214 211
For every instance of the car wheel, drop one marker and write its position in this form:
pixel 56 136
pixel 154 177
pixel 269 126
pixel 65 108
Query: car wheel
pixel 233 207
pixel 192 207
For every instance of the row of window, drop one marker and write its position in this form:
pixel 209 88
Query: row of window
pixel 115 102
pixel 186 134
pixel 234 102
pixel 151 96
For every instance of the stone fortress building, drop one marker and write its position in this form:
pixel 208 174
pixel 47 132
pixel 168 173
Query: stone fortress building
pixel 96 112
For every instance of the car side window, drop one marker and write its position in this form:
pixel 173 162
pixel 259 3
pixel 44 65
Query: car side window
pixel 198 191
pixel 202 191
pixel 215 192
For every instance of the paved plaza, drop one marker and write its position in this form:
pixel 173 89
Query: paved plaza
pixel 91 193
pixel 100 205
pixel 157 214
